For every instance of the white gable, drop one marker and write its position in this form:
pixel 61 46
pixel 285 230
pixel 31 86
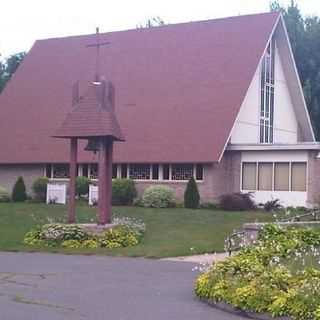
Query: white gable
pixel 287 114
pixel 246 128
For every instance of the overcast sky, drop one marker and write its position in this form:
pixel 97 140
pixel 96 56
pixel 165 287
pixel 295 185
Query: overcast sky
pixel 22 22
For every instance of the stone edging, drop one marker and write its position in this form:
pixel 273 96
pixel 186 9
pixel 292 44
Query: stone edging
pixel 238 312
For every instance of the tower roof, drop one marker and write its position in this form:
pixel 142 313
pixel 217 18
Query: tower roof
pixel 93 115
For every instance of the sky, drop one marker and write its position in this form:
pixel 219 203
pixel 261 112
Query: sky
pixel 23 22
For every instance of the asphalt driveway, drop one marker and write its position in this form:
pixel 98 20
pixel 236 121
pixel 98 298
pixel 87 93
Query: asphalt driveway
pixel 36 286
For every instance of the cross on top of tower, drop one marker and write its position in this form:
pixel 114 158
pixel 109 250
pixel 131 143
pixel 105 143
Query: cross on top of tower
pixel 97 45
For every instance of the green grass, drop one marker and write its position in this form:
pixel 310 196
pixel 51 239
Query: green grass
pixel 170 232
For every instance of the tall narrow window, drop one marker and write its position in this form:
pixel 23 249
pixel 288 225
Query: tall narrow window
pixel 124 169
pixel 249 175
pixel 166 172
pixel 265 176
pixel 114 171
pixel 267 94
pixel 299 176
pixel 281 176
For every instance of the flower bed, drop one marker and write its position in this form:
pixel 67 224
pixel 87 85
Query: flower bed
pixel 126 232
pixel 279 275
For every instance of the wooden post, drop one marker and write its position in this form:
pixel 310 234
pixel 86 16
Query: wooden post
pixel 72 184
pixel 105 181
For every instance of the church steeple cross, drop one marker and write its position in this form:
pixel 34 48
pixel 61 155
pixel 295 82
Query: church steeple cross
pixel 97 45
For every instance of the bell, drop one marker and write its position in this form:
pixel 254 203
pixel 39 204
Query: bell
pixel 93 145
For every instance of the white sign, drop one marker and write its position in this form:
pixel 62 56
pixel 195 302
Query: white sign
pixel 56 193
pixel 93 195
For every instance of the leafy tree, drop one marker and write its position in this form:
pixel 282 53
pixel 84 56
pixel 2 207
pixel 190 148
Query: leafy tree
pixel 304 34
pixel 191 195
pixel 19 191
pixel 152 22
pixel 8 67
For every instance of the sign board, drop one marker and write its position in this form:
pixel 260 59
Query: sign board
pixel 56 193
pixel 93 195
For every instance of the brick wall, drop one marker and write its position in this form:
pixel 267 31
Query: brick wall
pixel 218 178
pixel 10 173
pixel 313 184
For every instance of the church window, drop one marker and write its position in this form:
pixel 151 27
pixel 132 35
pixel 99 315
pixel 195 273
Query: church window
pixel 182 171
pixel 60 171
pixel 139 171
pixel 267 94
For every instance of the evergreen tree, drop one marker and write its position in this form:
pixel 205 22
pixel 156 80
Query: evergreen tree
pixel 191 195
pixel 19 191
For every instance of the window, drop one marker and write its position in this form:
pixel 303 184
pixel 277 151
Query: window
pixel 166 172
pixel 298 176
pixel 155 172
pixel 249 170
pixel 265 176
pixel 181 171
pixel 124 171
pixel 199 172
pixel 85 170
pixel 93 172
pixel 281 176
pixel 139 171
pixel 60 171
pixel 267 94
pixel 48 171
pixel 114 171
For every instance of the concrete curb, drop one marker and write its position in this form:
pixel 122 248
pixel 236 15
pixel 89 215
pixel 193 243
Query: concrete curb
pixel 238 312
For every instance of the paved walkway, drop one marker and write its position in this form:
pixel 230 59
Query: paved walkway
pixel 201 258
pixel 36 286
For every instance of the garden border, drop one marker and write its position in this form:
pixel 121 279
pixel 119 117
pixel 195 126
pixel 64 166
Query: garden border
pixel 239 312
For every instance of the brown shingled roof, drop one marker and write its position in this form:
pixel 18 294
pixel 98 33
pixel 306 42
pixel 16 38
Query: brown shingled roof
pixel 93 115
pixel 179 89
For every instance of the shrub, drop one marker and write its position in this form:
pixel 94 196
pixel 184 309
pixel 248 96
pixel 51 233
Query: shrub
pixel 19 191
pixel 123 191
pixel 158 197
pixel 39 188
pixel 127 232
pixel 119 236
pixel 191 195
pixel 4 195
pixel 237 202
pixel 82 186
pixel 272 205
pixel 262 277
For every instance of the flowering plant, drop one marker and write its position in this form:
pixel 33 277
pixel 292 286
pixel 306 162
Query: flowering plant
pixel 279 274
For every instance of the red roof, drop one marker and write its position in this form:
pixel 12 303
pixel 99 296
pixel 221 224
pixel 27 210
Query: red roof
pixel 178 90
pixel 92 115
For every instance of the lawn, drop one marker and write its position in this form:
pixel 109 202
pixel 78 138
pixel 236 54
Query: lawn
pixel 170 232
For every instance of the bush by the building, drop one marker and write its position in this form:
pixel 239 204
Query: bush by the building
pixel 82 186
pixel 19 191
pixel 123 191
pixel 158 197
pixel 39 188
pixel 191 195
pixel 237 202
pixel 4 195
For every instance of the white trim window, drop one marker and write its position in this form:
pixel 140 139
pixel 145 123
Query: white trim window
pixel 139 171
pixel 274 176
pixel 182 171
pixel 60 171
pixel 267 94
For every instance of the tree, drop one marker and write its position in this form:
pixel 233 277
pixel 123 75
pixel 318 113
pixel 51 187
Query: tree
pixel 191 195
pixel 19 191
pixel 8 67
pixel 152 22
pixel 304 34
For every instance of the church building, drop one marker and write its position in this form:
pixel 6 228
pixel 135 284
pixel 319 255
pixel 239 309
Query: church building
pixel 218 100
